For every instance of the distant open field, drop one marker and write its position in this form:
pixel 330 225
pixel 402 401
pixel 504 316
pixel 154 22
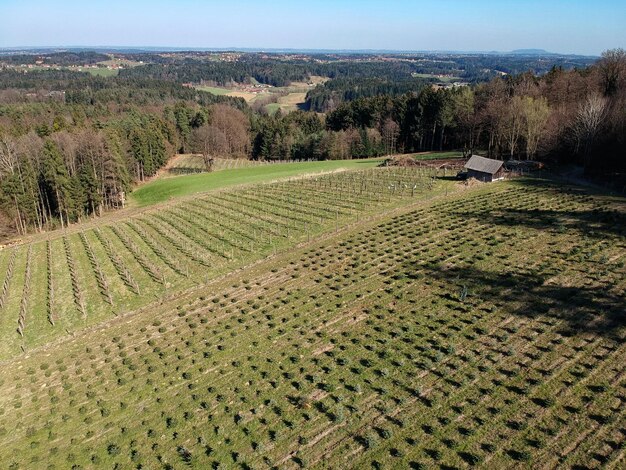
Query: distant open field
pixel 484 328
pixel 120 62
pixel 235 93
pixel 102 72
pixel 215 90
pixel 160 190
pixel 288 99
pixel 441 79
pixel 287 103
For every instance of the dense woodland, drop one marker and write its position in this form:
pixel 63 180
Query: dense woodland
pixel 57 58
pixel 72 145
pixel 281 69
pixel 331 94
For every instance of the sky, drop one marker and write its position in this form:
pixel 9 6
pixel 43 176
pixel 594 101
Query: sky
pixel 564 26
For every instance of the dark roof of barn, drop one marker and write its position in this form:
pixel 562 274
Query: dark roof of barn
pixel 484 165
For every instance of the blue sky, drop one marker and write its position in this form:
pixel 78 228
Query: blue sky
pixel 574 26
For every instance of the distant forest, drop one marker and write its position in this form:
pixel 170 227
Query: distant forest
pixel 282 70
pixel 73 145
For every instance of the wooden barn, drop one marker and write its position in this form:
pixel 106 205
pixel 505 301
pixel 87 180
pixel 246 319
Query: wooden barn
pixel 484 169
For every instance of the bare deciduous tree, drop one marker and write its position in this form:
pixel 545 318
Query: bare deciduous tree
pixel 513 123
pixel 536 113
pixel 8 155
pixel 209 142
pixel 68 145
pixel 612 70
pixel 235 126
pixel 589 120
pixel 226 135
pixel 391 130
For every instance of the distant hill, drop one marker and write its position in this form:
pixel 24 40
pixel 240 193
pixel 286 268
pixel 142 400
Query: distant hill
pixel 153 49
pixel 531 52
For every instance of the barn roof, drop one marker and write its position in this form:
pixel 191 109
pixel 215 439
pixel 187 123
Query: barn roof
pixel 484 165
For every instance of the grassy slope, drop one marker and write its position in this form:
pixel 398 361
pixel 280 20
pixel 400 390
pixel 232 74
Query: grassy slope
pixel 164 189
pixel 436 155
pixel 214 90
pixel 102 72
pixel 357 350
pixel 287 103
pixel 441 79
pixel 195 162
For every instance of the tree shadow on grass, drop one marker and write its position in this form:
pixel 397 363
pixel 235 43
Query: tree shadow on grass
pixel 591 223
pixel 582 309
pixel 535 294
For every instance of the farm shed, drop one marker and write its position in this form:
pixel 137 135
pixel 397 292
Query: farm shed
pixel 484 169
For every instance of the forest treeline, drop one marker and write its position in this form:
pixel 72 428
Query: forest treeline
pixel 57 58
pixel 331 94
pixel 72 145
pixel 281 70
pixel 576 116
pixel 274 72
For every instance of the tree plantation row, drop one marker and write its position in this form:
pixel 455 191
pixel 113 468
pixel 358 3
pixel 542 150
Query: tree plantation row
pixel 84 276
pixel 481 329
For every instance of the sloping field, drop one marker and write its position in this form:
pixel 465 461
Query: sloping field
pixel 248 96
pixel 485 328
pixel 161 190
pixel 288 103
pixel 84 276
pixel 193 163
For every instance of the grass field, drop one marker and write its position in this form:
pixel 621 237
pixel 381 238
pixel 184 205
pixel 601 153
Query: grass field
pixel 289 97
pixel 165 189
pixel 235 93
pixel 480 328
pixel 193 163
pixel 102 72
pixel 287 103
pixel 436 155
pixel 215 90
pixel 441 79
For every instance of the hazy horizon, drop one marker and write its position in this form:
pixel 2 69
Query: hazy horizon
pixel 396 25
pixel 105 47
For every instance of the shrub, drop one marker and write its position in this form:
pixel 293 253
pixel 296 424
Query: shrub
pixel 113 449
pixel 370 440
